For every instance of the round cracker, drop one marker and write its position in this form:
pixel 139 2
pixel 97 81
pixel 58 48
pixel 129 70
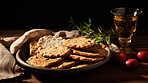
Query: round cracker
pixel 55 51
pixel 79 43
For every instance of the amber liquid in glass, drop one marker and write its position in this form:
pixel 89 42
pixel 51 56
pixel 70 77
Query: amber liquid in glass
pixel 125 27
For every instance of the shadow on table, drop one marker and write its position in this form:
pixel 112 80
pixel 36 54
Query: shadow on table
pixel 107 73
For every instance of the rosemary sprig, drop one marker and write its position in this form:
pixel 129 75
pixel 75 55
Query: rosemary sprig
pixel 96 33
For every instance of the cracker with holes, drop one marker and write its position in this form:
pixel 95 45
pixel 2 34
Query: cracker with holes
pixel 65 65
pixel 56 51
pixel 79 43
pixel 96 48
pixel 83 58
pixel 33 48
pixel 49 40
pixel 89 54
pixel 44 42
pixel 80 65
pixel 41 61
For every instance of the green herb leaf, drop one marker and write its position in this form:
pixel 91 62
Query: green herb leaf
pixel 96 33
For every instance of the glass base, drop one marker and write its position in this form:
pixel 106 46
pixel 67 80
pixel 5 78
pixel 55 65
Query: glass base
pixel 129 52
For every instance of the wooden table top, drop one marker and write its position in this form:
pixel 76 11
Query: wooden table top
pixel 108 73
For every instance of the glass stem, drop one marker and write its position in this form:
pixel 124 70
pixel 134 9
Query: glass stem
pixel 124 42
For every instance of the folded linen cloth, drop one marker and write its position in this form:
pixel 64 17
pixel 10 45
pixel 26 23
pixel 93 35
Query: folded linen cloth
pixel 8 40
pixel 29 35
pixel 9 68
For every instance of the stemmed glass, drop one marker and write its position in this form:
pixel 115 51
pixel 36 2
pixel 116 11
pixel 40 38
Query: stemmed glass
pixel 125 21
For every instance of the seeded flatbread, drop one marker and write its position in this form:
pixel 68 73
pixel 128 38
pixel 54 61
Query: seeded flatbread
pixel 65 65
pixel 79 43
pixel 79 66
pixel 44 42
pixel 33 48
pixel 96 48
pixel 49 40
pixel 55 51
pixel 90 54
pixel 83 58
pixel 41 61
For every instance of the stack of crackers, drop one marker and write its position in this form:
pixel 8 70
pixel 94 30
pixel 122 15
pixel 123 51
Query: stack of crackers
pixel 58 53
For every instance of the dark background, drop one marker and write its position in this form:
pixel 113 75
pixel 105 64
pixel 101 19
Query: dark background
pixel 54 15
